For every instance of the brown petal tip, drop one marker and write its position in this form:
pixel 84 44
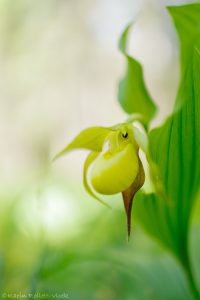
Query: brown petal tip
pixel 129 194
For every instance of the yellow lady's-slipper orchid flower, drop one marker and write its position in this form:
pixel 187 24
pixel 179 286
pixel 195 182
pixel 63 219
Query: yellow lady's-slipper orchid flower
pixel 115 163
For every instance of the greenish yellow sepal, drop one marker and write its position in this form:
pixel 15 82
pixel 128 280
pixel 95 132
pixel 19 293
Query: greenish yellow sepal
pixel 91 138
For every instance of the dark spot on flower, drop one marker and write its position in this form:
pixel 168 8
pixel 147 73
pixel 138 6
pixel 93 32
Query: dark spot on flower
pixel 125 135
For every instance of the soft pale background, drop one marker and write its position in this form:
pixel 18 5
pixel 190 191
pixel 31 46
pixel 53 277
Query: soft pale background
pixel 59 70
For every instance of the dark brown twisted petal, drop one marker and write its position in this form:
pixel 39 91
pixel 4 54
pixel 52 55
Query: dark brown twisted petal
pixel 129 194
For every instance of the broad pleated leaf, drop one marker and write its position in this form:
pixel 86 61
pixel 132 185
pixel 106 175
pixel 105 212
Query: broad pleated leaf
pixel 186 20
pixel 175 147
pixel 132 93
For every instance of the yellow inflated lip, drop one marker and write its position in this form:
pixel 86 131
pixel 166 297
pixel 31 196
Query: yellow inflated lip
pixel 114 173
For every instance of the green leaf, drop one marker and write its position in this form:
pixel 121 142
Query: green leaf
pixel 186 20
pixel 175 148
pixel 179 168
pixel 153 214
pixel 91 139
pixel 132 93
pixel 91 157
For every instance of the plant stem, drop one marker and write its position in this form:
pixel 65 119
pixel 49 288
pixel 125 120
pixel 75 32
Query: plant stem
pixel 188 270
pixel 192 283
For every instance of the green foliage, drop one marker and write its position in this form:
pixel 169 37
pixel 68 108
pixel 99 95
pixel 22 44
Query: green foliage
pixel 175 148
pixel 132 94
pixel 186 20
pixel 179 168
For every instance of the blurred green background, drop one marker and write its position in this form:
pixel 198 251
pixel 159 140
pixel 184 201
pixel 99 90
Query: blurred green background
pixel 59 70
